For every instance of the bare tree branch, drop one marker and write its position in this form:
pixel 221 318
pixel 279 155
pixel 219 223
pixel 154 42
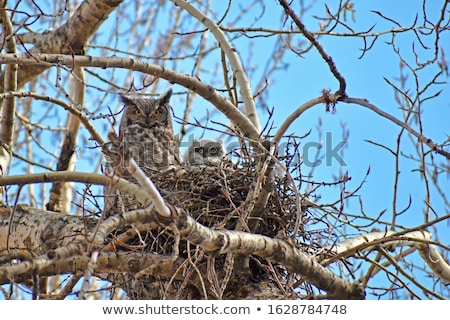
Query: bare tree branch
pixel 204 90
pixel 69 38
pixel 223 241
pixel 60 201
pixel 293 116
pixel 421 138
pixel 219 241
pixel 273 221
pixel 435 260
pixel 72 109
pixel 214 241
pixel 238 70
pixel 150 188
pixel 9 104
pixel 342 85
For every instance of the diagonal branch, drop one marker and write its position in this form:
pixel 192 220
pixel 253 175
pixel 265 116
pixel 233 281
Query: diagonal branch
pixel 294 115
pixel 308 35
pixel 332 99
pixel 69 38
pixel 225 241
pixel 435 260
pixel 420 137
pixel 387 239
pixel 71 108
pixel 281 252
pixel 213 241
pixel 160 206
pixel 238 70
pixel 202 89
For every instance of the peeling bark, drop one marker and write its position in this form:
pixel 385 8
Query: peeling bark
pixel 67 235
pixel 8 105
pixel 70 38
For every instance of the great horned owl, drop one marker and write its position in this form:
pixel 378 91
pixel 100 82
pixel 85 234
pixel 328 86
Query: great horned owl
pixel 205 152
pixel 146 128
pixel 146 133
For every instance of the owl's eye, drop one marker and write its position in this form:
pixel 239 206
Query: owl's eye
pixel 212 151
pixel 199 150
pixel 156 113
pixel 138 112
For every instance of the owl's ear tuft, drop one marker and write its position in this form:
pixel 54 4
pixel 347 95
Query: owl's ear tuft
pixel 126 99
pixel 165 97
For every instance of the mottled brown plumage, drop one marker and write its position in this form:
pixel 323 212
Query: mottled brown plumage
pixel 146 133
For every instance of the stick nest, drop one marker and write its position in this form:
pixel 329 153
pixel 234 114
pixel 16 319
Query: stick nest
pixel 223 197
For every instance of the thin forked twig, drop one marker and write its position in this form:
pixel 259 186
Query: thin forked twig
pixel 308 35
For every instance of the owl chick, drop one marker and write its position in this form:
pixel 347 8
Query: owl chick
pixel 205 152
